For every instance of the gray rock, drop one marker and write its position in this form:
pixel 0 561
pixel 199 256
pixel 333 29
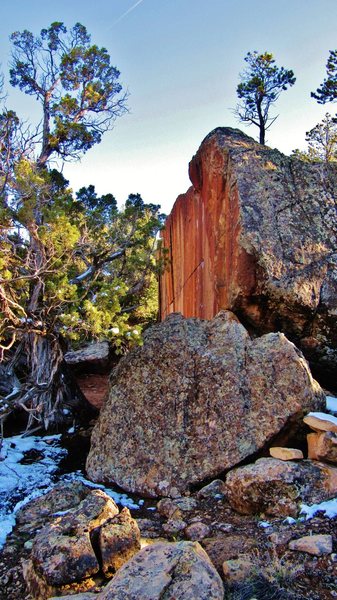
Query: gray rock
pixel 196 399
pixel 276 488
pixel 181 570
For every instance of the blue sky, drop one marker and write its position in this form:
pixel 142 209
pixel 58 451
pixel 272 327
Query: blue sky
pixel 180 60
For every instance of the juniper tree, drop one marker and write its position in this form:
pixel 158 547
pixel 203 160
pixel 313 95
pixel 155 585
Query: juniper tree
pixel 70 268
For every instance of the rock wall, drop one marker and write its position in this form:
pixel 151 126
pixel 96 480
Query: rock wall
pixel 257 233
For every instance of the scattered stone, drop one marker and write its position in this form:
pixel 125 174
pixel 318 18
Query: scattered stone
pixel 212 490
pixel 280 538
pixel 322 446
pixel 174 526
pixel 84 596
pixel 197 531
pixel 119 540
pixel 286 453
pixel 275 487
pixel 179 570
pixel 186 503
pixel 149 528
pixel 196 399
pixel 224 527
pixel 321 422
pixel 168 508
pixel 227 547
pixel 237 570
pixel 62 551
pixel 313 544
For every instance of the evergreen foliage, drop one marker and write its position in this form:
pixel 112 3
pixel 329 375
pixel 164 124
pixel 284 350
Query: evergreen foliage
pixel 72 269
pixel 327 92
pixel 322 142
pixel 260 87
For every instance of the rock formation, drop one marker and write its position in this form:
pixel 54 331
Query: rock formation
pixel 90 538
pixel 257 234
pixel 195 400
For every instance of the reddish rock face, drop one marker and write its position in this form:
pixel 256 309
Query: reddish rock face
pixel 256 233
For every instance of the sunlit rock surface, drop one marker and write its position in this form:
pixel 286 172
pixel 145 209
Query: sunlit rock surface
pixel 195 400
pixel 257 233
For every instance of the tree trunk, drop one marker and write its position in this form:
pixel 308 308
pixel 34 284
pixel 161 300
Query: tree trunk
pixel 262 124
pixel 51 397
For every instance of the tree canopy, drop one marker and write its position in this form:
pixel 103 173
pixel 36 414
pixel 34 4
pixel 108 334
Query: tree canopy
pixel 261 85
pixel 322 142
pixel 72 268
pixel 327 92
pixel 78 89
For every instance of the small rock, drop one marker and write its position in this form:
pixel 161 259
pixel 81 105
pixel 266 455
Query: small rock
pixel 313 544
pixel 319 421
pixel 237 570
pixel 286 453
pixel 62 551
pixel 174 526
pixel 212 490
pixel 82 596
pixel 224 527
pixel 119 540
pixel 227 547
pixel 280 538
pixel 149 529
pixel 168 508
pixel 197 531
pixel 186 503
pixel 322 446
pixel 58 500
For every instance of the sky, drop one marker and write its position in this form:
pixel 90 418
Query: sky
pixel 180 62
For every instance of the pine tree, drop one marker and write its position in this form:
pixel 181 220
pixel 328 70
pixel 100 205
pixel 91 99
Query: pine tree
pixel 260 87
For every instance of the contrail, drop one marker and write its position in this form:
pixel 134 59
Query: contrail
pixel 127 12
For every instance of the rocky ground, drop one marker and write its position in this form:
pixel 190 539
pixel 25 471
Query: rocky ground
pixel 251 554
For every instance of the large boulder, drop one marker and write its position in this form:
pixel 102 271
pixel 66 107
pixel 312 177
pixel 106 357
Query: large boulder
pixel 256 233
pixel 181 570
pixel 195 400
pixel 276 488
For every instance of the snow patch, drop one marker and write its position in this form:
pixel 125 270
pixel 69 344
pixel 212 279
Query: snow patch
pixel 329 508
pixel 20 482
pixel 118 497
pixel 264 524
pixel 331 403
pixel 323 417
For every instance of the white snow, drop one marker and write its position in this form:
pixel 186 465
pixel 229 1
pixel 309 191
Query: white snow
pixel 331 403
pixel 323 416
pixel 20 483
pixel 290 520
pixel 329 508
pixel 118 497
pixel 264 524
